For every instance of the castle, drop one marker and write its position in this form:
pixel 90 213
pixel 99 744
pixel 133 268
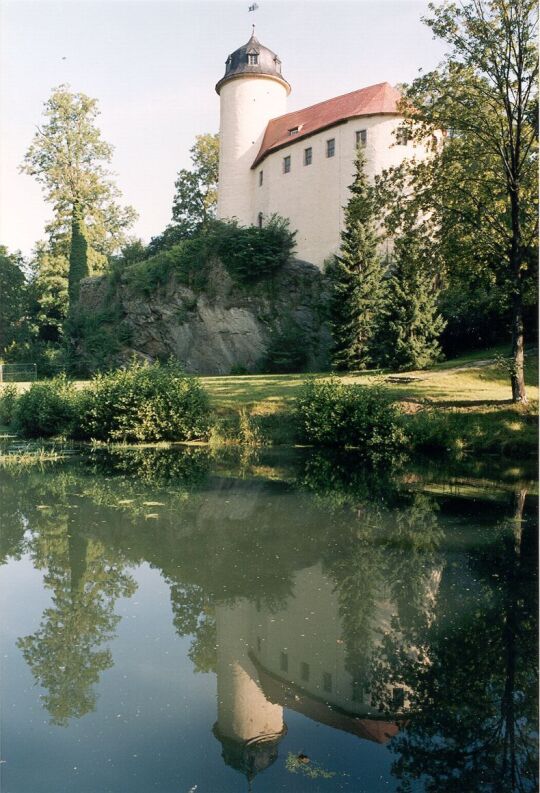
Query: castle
pixel 299 165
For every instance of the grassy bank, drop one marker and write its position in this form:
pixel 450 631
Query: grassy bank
pixel 463 404
pixel 460 405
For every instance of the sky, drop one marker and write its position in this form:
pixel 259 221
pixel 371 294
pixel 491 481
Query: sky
pixel 153 65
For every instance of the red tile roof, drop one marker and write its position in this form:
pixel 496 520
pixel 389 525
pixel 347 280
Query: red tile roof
pixel 374 100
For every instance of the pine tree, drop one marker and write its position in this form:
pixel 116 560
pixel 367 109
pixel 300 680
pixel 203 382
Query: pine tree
pixel 356 277
pixel 409 325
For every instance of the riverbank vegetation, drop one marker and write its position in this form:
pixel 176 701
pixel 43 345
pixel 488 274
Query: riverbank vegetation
pixel 454 408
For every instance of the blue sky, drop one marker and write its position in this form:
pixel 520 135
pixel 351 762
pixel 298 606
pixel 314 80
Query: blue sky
pixel 153 64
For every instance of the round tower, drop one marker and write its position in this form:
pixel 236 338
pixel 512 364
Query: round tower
pixel 251 92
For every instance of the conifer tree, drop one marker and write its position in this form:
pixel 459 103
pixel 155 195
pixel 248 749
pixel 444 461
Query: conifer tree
pixel 356 278
pixel 409 325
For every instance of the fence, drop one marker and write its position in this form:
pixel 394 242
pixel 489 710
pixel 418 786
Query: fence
pixel 17 372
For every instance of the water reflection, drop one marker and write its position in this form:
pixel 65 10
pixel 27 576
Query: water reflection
pixel 378 605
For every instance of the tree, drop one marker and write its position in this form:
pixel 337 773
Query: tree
pixel 14 302
pixel 409 325
pixel 69 158
pixel 195 199
pixel 356 278
pixel 479 189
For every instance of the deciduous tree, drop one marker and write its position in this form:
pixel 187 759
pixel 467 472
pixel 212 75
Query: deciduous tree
pixel 70 160
pixel 478 191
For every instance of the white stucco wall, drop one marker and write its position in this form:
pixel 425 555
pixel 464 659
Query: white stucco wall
pixel 313 196
pixel 246 106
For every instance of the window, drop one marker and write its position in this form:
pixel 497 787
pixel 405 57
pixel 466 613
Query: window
pixel 330 147
pixel 278 65
pixel 327 681
pixel 398 698
pixel 260 218
pixel 287 164
pixel 260 178
pixel 304 671
pixel 361 137
pixel 402 137
pixel 284 662
pixel 358 688
pixel 253 58
pixel 294 130
pixel 308 156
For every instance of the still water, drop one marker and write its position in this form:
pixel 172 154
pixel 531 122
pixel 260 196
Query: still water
pixel 180 623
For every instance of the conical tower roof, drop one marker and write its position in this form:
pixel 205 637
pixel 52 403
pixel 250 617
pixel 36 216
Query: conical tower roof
pixel 253 59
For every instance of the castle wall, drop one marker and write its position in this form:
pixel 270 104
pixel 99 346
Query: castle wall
pixel 313 196
pixel 246 106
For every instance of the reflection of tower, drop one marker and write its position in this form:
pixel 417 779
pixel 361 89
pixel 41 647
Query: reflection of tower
pixel 248 726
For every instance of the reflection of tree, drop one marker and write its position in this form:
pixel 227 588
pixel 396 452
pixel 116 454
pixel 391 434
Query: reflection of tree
pixel 474 696
pixel 385 574
pixel 64 653
pixel 194 616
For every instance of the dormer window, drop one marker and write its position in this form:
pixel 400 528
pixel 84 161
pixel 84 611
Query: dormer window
pixel 253 57
pixel 295 130
pixel 278 65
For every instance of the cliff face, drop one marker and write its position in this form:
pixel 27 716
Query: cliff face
pixel 224 328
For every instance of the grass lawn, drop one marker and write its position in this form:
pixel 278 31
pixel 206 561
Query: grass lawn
pixel 466 382
pixel 471 395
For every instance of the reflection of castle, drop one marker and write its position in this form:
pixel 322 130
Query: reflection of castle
pixel 294 657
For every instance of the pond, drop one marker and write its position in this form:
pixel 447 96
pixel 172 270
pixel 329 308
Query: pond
pixel 182 622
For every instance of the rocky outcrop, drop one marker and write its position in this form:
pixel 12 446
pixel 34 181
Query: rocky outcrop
pixel 227 327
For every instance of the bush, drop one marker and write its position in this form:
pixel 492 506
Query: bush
pixel 144 403
pixel 47 408
pixel 8 404
pixel 249 254
pixel 331 413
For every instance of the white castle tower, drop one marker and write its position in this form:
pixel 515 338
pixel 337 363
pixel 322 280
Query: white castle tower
pixel 251 92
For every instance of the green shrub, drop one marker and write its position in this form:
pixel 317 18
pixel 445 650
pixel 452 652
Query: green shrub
pixel 47 408
pixel 249 254
pixel 8 404
pixel 331 413
pixel 144 403
pixel 432 431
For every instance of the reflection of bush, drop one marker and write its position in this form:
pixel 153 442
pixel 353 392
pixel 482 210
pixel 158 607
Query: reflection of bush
pixel 185 467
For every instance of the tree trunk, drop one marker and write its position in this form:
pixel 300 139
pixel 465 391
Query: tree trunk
pixel 517 376
pixel 78 255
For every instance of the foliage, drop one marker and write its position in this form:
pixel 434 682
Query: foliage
pixel 249 255
pixel 95 340
pixel 331 413
pixel 409 326
pixel 288 350
pixel 195 199
pixel 355 277
pixel 144 403
pixel 78 255
pixel 69 158
pixel 14 302
pixel 47 408
pixel 8 404
pixel 477 193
